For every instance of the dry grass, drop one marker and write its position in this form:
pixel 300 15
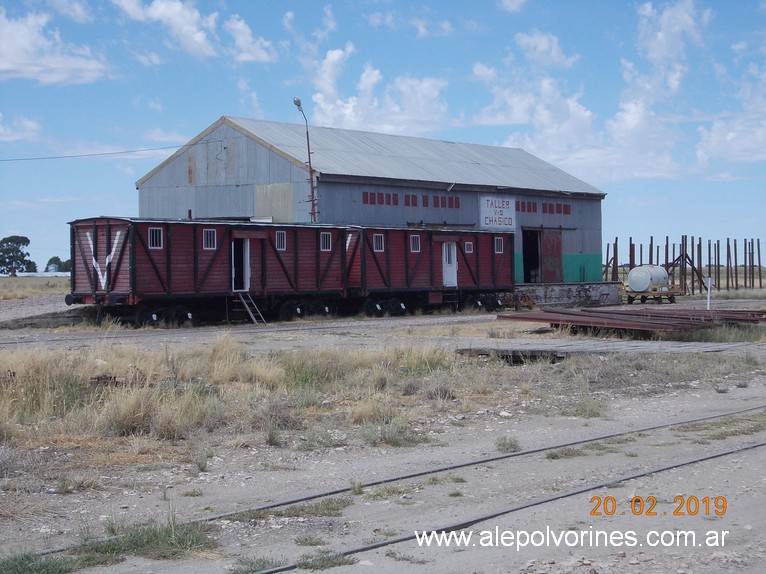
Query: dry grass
pixel 121 406
pixel 23 287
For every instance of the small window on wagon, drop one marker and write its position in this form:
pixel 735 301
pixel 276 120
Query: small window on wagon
pixel 208 239
pixel 325 241
pixel 498 244
pixel 468 246
pixel 281 240
pixel 415 243
pixel 155 237
pixel 378 244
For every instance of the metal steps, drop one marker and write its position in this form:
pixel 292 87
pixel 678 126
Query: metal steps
pixel 252 309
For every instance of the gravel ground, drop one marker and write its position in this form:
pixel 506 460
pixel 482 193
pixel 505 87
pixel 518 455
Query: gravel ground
pixel 14 309
pixel 243 472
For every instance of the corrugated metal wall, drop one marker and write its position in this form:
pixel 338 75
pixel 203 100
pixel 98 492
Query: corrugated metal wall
pixel 226 174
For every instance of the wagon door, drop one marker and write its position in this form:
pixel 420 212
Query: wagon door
pixel 449 264
pixel 240 264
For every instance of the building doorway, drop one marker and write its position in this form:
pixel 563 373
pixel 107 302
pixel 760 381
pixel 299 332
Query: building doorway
pixel 530 249
pixel 542 255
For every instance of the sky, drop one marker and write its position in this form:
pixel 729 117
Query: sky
pixel 661 105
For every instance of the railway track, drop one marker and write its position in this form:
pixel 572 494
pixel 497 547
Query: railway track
pixel 481 518
pixel 464 521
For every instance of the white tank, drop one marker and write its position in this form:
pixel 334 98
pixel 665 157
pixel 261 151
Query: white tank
pixel 646 277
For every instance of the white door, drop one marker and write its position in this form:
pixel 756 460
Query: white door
pixel 449 264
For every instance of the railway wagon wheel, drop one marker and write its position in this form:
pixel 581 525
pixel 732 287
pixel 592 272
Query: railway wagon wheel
pixel 395 308
pixel 144 316
pixel 177 315
pixel 372 308
pixel 289 310
pixel 472 302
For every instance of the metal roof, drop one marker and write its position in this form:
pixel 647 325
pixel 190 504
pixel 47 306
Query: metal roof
pixel 342 152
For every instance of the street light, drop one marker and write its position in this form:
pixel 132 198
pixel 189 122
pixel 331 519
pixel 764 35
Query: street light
pixel 312 197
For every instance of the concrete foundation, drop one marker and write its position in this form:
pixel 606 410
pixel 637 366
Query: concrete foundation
pixel 570 294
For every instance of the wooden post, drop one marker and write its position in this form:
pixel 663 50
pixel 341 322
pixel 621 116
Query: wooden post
pixel 699 264
pixel 690 257
pixel 736 267
pixel 718 264
pixel 728 263
pixel 752 263
pixel 760 268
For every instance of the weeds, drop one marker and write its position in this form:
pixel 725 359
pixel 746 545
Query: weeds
pixel 324 507
pixel 566 452
pixel 154 540
pixel 390 491
pixel 29 563
pixel 309 541
pixel 255 565
pixel 324 560
pixel 151 540
pixel 404 558
pixel 507 445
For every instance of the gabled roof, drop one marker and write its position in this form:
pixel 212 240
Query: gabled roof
pixel 341 152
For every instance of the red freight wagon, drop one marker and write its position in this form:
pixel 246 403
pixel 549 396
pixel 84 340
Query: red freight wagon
pixel 418 267
pixel 144 270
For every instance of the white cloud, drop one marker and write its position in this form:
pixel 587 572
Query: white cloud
pixel 407 105
pixel 330 69
pixel 739 136
pixel 77 10
pixel 20 129
pixel 427 28
pixel 512 5
pixel 543 49
pixel 187 27
pixel 248 49
pixel 160 135
pixel 483 73
pixel 662 40
pixel 149 59
pixel 378 19
pixel 249 99
pixel 329 24
pixel 29 51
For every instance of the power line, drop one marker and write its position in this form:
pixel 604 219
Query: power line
pixel 99 154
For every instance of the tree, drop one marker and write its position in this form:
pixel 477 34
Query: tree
pixel 63 266
pixel 13 257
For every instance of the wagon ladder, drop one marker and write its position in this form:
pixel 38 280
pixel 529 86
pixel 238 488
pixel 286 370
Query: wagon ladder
pixel 251 308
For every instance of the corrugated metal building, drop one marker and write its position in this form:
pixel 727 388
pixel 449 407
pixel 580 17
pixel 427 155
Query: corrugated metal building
pixel 244 168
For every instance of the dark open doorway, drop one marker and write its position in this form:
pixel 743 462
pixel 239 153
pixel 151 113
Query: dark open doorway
pixel 530 249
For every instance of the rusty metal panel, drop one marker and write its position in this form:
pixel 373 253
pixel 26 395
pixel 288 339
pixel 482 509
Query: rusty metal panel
pixel 552 270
